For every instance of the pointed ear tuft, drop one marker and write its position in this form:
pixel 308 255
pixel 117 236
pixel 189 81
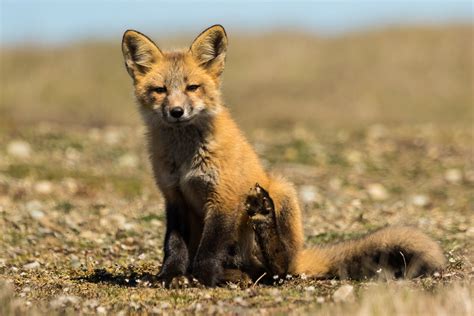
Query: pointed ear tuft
pixel 209 49
pixel 139 52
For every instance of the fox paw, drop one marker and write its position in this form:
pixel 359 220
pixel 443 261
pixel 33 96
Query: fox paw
pixel 259 204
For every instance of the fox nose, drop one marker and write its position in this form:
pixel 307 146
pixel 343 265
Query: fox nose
pixel 177 112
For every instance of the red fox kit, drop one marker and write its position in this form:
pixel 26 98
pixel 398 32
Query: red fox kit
pixel 226 217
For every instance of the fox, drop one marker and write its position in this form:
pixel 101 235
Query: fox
pixel 228 219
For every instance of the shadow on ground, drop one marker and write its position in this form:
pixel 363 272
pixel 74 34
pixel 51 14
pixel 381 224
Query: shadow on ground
pixel 130 278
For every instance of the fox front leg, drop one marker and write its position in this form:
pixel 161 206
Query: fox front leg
pixel 176 259
pixel 212 254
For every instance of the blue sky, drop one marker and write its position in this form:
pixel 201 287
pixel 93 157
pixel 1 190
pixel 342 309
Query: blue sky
pixel 63 21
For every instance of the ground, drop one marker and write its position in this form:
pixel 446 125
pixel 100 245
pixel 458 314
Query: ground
pixel 82 223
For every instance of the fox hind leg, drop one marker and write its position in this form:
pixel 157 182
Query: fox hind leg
pixel 276 223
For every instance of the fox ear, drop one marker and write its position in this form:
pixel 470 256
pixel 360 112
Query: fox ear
pixel 139 52
pixel 209 49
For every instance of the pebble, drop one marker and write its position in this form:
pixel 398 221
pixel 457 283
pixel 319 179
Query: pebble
pixel 19 149
pixel 239 300
pixel 453 176
pixel 377 192
pixel 43 187
pixel 89 235
pixel 112 137
pixel 70 185
pixel 36 214
pixel 308 194
pixel 101 310
pixel 32 266
pixel 64 300
pixel 335 184
pixel 344 294
pixel 92 303
pixel 420 200
pixel 128 161
pixel 310 289
pixel 72 154
pixel 75 262
pixel 33 205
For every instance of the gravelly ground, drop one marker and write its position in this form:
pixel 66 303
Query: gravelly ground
pixel 82 223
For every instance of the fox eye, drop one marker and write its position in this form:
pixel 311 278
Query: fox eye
pixel 192 87
pixel 160 89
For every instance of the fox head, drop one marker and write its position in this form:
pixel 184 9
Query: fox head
pixel 177 88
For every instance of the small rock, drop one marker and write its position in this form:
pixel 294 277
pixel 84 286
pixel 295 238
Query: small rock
pixel 308 194
pixel 420 200
pixel 64 300
pixel 453 176
pixel 3 263
pixel 320 300
pixel 33 205
pixel 19 149
pixel 43 187
pixel 72 154
pixel 36 214
pixel 89 235
pixel 75 262
pixel 344 294
pixel 101 310
pixel 91 303
pixel 32 266
pixel 354 157
pixel 70 185
pixel 335 184
pixel 356 203
pixel 274 292
pixel 310 289
pixel 239 300
pixel 156 223
pixel 26 289
pixel 114 220
pixel 128 161
pixel 112 137
pixel 377 192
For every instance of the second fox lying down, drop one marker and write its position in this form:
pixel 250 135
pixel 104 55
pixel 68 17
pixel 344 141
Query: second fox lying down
pixel 227 219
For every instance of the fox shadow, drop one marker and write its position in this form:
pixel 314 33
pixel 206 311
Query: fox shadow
pixel 130 278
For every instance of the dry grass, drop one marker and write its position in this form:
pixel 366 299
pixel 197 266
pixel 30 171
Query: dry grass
pixel 409 75
pixel 82 224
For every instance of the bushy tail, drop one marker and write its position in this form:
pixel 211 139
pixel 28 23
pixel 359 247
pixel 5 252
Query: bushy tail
pixel 389 252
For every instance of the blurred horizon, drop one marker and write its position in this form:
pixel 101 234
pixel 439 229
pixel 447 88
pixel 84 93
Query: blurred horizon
pixel 64 22
pixel 339 63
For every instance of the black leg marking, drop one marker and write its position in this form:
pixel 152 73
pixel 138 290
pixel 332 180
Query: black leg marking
pixel 176 259
pixel 213 252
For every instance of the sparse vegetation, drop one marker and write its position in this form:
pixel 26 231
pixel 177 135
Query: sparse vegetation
pixel 374 129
